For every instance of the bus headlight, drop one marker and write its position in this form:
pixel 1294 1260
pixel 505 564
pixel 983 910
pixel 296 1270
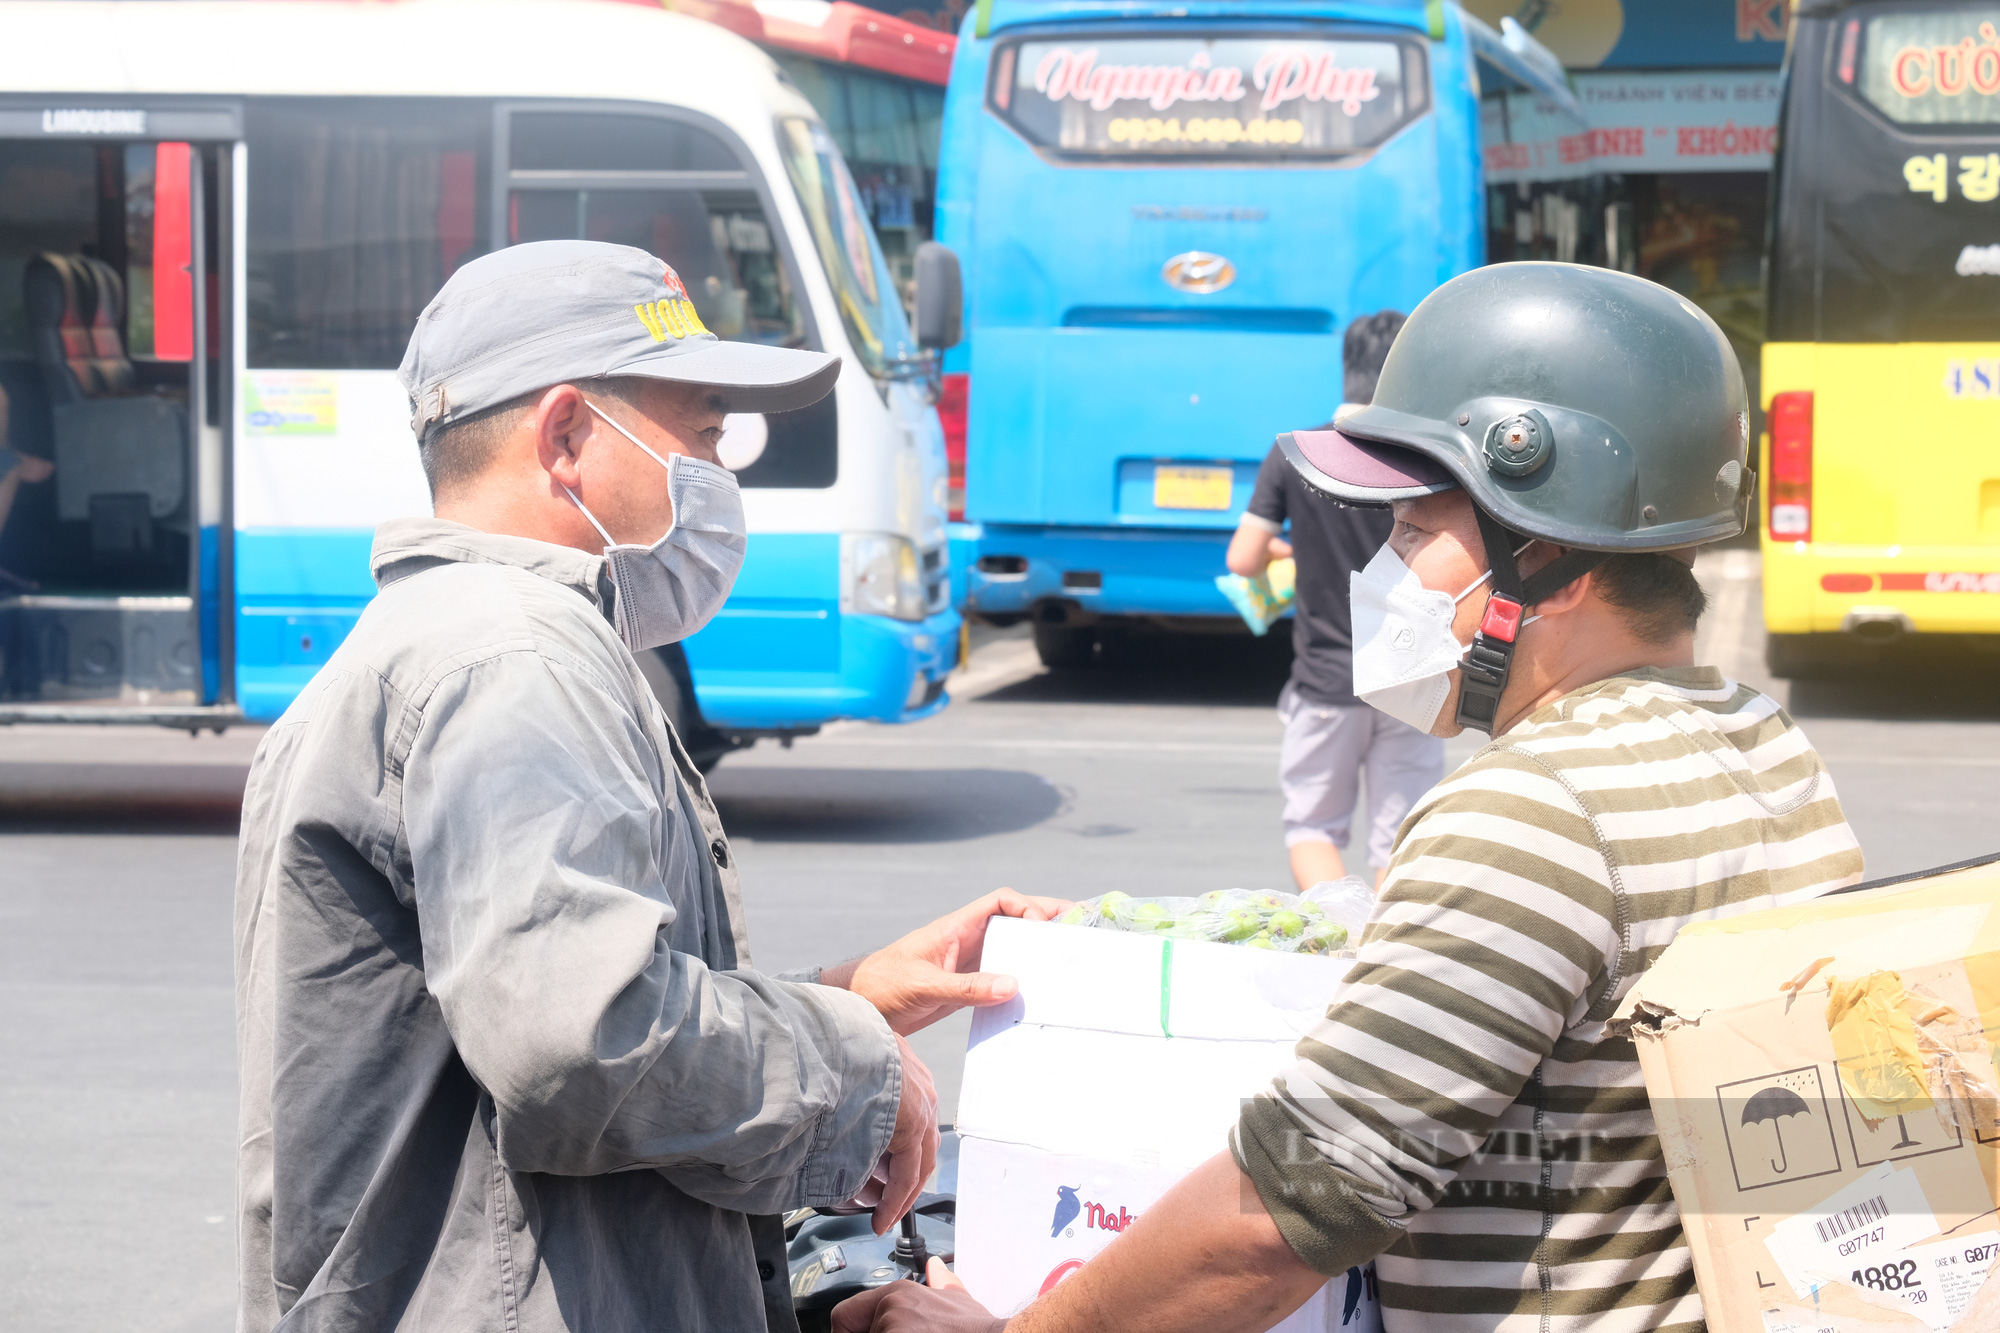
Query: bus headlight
pixel 880 575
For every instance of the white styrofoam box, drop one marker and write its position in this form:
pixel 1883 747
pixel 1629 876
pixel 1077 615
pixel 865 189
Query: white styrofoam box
pixel 1145 1100
pixel 1152 985
pixel 1042 1214
pixel 1120 1066
pixel 1080 1055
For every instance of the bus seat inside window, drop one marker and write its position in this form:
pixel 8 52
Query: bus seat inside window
pixel 359 210
pixel 97 330
pixel 717 240
pixel 713 229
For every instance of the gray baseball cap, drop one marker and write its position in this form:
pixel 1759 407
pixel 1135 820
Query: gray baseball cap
pixel 552 312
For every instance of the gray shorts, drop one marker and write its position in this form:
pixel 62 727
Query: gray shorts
pixel 1320 767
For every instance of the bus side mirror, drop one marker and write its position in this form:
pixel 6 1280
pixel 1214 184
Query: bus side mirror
pixel 940 297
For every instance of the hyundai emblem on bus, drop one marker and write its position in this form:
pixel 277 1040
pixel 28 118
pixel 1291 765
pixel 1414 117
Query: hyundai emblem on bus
pixel 1199 271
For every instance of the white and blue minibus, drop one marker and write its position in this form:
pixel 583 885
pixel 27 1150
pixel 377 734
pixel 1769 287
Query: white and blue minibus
pixel 218 222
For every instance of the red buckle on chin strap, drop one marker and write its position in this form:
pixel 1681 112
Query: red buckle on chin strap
pixel 1503 618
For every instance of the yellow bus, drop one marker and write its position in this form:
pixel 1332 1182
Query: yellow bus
pixel 1881 376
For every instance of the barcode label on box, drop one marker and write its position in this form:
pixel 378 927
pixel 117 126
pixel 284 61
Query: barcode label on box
pixel 1851 1219
pixel 1852 1229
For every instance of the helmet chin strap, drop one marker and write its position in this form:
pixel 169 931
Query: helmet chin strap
pixel 1483 671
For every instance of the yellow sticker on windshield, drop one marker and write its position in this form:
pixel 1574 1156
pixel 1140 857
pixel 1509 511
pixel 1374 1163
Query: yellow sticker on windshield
pixel 291 402
pixel 1191 487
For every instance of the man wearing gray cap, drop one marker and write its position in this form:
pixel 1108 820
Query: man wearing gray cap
pixel 504 1065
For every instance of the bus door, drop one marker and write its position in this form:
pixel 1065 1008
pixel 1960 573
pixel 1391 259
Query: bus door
pixel 1882 373
pixel 115 281
pixel 1170 226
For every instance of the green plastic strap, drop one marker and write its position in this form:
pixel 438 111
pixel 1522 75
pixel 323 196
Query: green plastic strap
pixel 1166 984
pixel 982 18
pixel 1433 15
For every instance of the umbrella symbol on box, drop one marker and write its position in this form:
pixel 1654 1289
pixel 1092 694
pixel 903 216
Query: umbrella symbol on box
pixel 1775 1104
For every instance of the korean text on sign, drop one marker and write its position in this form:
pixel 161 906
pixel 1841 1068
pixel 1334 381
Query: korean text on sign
pixel 1978 176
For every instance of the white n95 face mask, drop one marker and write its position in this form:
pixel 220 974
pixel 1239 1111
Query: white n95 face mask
pixel 667 591
pixel 1404 648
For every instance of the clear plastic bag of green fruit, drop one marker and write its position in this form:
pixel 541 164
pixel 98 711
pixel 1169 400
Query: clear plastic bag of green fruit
pixel 1327 919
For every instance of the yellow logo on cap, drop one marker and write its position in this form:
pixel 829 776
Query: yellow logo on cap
pixel 669 319
pixel 673 317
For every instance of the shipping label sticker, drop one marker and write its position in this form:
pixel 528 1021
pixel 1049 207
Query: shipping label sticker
pixel 1854 1229
pixel 291 402
pixel 1934 1282
pixel 1949 1275
pixel 1779 1128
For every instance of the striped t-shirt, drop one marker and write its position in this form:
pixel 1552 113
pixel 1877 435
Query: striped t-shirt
pixel 1462 1110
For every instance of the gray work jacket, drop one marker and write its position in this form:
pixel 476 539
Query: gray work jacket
pixel 500 1068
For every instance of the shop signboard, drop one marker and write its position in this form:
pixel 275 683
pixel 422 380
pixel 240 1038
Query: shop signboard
pixel 1713 120
pixel 1524 137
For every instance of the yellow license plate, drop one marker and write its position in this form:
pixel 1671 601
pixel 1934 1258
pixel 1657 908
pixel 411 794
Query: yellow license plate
pixel 1191 487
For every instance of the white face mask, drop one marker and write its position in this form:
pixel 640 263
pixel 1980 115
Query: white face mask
pixel 1404 648
pixel 667 591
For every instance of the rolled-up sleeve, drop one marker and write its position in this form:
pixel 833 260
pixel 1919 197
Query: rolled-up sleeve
pixel 538 849
pixel 1496 920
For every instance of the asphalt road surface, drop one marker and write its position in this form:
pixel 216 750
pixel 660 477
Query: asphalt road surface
pixel 117 1093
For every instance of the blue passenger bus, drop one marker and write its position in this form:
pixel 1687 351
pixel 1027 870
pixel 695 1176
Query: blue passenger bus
pixel 1167 215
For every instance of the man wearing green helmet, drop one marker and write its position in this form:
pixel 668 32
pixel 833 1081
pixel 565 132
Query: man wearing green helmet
pixel 1553 440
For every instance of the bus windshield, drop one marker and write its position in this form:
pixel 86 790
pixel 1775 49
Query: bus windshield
pixel 1905 163
pixel 869 303
pixel 1273 95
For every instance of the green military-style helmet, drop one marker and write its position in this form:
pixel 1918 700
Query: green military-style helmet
pixel 1584 406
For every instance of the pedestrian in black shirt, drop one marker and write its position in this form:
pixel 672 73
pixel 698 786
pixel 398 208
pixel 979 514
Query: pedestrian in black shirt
pixel 1330 736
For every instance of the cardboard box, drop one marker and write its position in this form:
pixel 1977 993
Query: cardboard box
pixel 1824 1081
pixel 1120 1066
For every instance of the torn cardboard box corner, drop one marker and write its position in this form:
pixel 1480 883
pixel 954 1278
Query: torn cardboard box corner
pixel 1828 1101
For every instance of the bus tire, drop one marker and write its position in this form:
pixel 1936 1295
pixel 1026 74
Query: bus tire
pixel 666 670
pixel 1064 647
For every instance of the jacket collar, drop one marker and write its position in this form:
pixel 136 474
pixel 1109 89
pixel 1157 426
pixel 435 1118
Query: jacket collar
pixel 406 546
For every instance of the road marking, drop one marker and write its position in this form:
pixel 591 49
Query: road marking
pixel 903 740
pixel 1122 747
pixel 1940 761
pixel 994 667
